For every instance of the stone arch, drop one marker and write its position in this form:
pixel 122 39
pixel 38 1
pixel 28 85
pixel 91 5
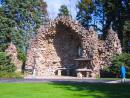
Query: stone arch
pixel 66 42
pixel 47 50
pixel 58 43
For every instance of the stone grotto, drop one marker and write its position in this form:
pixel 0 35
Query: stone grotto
pixel 65 48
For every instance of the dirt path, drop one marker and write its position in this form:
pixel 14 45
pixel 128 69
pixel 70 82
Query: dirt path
pixel 61 80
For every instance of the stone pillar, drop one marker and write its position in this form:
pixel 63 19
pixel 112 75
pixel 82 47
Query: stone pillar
pixel 59 72
pixel 87 74
pixel 79 75
pixel 34 72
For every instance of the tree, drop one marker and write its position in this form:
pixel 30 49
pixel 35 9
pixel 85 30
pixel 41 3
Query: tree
pixel 117 61
pixel 27 15
pixel 104 13
pixel 98 18
pixel 116 12
pixel 63 11
pixel 19 21
pixel 85 10
pixel 6 28
pixel 5 64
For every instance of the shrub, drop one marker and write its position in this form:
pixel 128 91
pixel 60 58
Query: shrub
pixel 8 75
pixel 3 46
pixel 5 63
pixel 117 61
pixel 7 69
pixel 21 55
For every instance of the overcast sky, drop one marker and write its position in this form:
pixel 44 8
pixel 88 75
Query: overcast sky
pixel 54 5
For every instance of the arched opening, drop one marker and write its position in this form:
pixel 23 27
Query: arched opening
pixel 66 43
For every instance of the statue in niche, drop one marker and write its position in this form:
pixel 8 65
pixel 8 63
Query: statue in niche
pixel 80 51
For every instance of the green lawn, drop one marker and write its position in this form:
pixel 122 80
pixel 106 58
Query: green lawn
pixel 59 90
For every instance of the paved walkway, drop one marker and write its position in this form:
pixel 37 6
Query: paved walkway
pixel 60 80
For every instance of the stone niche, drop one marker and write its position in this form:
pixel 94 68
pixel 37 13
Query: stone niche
pixel 57 46
pixel 66 43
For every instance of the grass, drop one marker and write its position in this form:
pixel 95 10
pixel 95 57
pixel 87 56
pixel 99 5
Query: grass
pixel 62 90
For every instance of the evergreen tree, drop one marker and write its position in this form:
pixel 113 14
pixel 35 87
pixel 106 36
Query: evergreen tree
pixel 5 64
pixel 63 11
pixel 27 15
pixel 104 13
pixel 85 10
pixel 6 28
pixel 116 12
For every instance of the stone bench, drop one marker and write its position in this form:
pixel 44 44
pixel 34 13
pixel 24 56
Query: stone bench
pixel 80 71
pixel 59 70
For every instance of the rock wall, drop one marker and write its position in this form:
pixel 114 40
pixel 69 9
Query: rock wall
pixel 57 46
pixel 108 48
pixel 12 52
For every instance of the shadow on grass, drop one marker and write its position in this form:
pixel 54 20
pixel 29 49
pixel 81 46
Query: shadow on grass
pixel 95 90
